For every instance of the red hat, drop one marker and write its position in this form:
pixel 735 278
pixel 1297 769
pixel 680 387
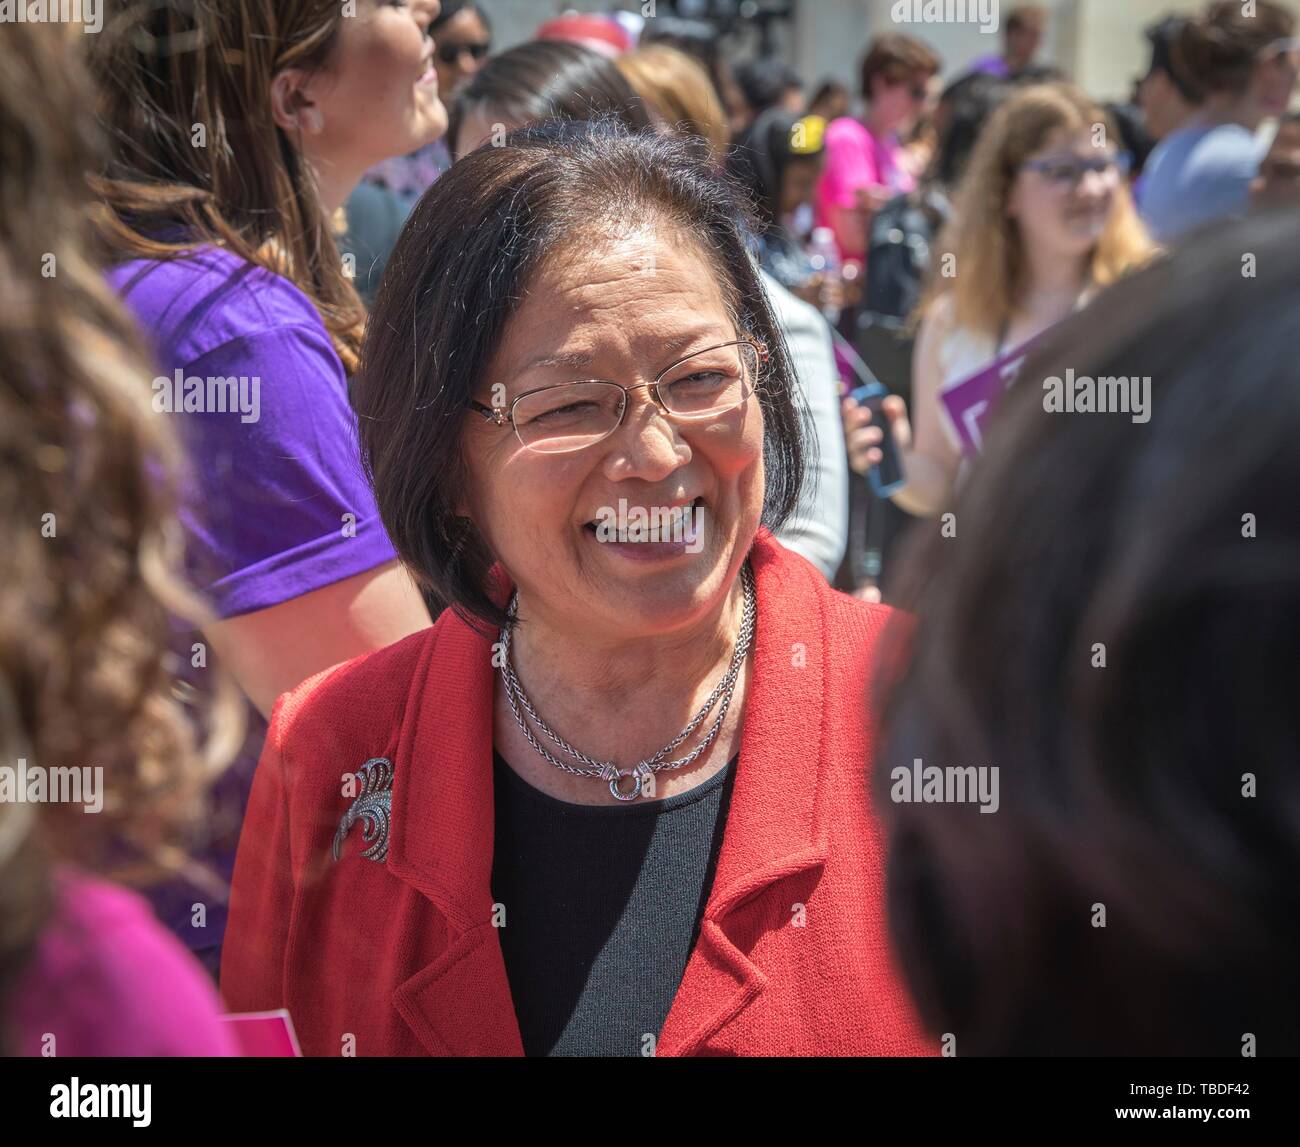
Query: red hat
pixel 592 30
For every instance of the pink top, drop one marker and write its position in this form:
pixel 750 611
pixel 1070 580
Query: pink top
pixel 108 980
pixel 855 158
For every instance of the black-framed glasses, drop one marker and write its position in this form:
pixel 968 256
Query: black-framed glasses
pixel 569 416
pixel 450 53
pixel 1069 171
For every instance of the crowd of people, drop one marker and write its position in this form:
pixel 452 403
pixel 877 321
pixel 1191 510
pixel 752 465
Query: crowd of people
pixel 557 550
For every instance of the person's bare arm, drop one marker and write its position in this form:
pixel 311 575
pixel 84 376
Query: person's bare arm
pixel 930 458
pixel 271 650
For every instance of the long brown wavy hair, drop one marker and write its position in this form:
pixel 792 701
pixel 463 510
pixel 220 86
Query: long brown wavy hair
pixel 168 71
pixel 989 252
pixel 88 579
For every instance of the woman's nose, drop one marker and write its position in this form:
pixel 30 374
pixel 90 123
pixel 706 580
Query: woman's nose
pixel 648 445
pixel 1094 185
pixel 425 12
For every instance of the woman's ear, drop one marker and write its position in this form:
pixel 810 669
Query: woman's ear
pixel 292 108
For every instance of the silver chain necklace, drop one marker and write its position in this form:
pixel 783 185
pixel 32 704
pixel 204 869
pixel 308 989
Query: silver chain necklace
pixel 608 770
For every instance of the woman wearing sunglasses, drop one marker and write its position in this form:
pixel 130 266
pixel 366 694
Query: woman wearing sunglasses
pixel 1244 64
pixel 865 161
pixel 1042 220
pixel 611 804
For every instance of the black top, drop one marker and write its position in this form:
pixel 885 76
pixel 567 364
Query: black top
pixel 602 908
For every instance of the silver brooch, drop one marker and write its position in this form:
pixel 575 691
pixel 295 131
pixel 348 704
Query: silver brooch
pixel 373 807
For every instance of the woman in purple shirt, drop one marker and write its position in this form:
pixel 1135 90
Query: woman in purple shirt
pixel 220 194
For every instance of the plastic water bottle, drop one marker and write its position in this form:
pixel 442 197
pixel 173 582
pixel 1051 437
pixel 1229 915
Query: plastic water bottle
pixel 825 258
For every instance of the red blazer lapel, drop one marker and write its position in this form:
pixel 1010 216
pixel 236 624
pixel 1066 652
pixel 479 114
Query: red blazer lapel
pixel 442 825
pixel 460 1004
pixel 775 827
pixel 441 843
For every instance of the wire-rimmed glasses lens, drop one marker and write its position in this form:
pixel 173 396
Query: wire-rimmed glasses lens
pixel 574 415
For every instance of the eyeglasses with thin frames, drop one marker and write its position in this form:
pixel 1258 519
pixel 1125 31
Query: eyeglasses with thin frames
pixel 1069 171
pixel 570 416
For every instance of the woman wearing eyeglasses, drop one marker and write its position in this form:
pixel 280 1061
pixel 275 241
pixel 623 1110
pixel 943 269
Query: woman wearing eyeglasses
pixel 612 803
pixel 1244 63
pixel 1042 220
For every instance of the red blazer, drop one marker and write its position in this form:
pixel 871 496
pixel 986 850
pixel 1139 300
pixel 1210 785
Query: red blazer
pixel 399 956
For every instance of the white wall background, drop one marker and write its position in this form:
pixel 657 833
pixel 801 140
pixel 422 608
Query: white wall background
pixel 1098 42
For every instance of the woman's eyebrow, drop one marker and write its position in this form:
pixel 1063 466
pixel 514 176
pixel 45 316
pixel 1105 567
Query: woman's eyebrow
pixel 580 360
pixel 573 359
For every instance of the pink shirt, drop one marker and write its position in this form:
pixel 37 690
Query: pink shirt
pixel 108 980
pixel 855 158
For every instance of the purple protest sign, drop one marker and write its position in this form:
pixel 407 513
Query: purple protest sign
pixel 969 403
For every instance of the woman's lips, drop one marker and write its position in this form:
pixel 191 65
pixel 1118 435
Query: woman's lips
pixel 651 536
pixel 646 551
pixel 429 79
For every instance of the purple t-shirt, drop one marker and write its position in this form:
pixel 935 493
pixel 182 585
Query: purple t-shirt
pixel 107 980
pixel 276 503
pixel 993 65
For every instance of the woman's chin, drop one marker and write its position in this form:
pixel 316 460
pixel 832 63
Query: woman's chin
pixel 646 588
pixel 430 120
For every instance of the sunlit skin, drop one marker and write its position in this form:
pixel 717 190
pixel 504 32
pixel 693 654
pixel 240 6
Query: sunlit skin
pixel 1164 109
pixel 641 641
pixel 375 97
pixel 1022 45
pixel 476 128
pixel 1059 222
pixel 799 182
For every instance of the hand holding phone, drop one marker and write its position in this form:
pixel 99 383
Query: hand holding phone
pixel 874 422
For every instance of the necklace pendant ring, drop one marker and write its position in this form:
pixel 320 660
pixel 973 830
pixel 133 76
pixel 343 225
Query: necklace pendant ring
pixel 617 776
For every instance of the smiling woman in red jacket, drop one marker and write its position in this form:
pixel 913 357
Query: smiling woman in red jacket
pixel 615 801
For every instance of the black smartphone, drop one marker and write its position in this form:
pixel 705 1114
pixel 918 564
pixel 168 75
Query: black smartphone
pixel 886 477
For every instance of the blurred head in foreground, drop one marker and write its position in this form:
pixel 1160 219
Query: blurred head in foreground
pixel 1113 627
pixel 537 81
pixel 88 572
pixel 677 90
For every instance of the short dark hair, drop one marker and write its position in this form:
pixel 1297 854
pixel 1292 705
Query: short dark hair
pixel 897 58
pixel 453 8
pixel 970 101
pixel 1119 784
pixel 764 81
pixel 548 79
pixel 1218 50
pixel 758 158
pixel 1162 36
pixel 1025 16
pixel 455 278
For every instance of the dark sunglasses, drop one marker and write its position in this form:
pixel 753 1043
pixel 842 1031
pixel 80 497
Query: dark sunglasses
pixel 450 53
